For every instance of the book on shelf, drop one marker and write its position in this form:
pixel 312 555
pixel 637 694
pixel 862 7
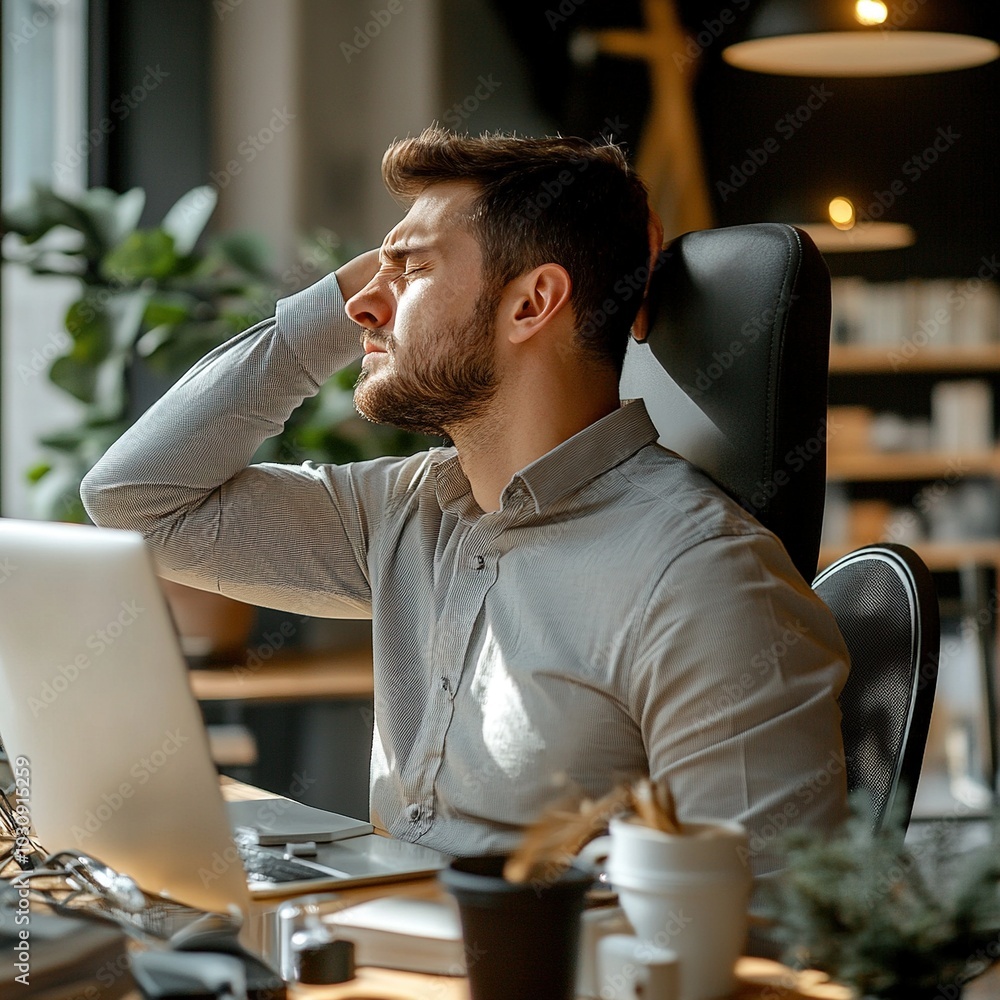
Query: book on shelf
pixel 962 416
pixel 933 314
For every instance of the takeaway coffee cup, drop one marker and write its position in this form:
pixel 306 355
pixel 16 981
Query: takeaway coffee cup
pixel 520 937
pixel 684 892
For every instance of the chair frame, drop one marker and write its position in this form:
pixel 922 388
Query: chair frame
pixel 924 654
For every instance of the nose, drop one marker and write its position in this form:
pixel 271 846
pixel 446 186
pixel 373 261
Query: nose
pixel 372 306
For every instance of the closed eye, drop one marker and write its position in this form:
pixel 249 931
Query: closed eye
pixel 412 257
pixel 400 275
pixel 393 273
pixel 413 270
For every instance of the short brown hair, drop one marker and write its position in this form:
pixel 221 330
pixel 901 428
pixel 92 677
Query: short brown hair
pixel 551 200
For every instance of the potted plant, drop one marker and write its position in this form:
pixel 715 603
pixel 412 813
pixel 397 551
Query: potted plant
pixel 152 301
pixel 144 293
pixel 893 921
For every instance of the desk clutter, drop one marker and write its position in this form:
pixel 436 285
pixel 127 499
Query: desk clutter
pixel 683 888
pixel 407 948
pixel 393 932
pixel 58 956
pixel 73 929
pixel 517 926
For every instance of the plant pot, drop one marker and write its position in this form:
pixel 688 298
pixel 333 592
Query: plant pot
pixel 211 626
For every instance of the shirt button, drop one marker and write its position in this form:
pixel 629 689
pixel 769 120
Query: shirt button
pixel 413 812
pixel 445 686
pixel 480 562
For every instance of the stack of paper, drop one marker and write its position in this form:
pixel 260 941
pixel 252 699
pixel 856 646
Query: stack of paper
pixel 396 932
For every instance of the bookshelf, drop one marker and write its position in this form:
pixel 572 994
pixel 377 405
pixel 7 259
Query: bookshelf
pixel 873 466
pixel 914 385
pixel 914 457
pixel 847 359
pixel 941 557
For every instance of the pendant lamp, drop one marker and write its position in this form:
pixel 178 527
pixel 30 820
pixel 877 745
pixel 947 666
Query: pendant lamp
pixel 847 230
pixel 861 38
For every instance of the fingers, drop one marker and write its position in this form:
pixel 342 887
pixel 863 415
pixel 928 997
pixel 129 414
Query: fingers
pixel 654 230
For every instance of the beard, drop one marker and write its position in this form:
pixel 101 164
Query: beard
pixel 447 382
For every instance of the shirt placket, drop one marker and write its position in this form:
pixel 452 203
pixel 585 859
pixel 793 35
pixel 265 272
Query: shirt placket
pixel 475 573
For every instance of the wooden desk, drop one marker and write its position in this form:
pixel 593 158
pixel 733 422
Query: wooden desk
pixel 300 677
pixel 758 979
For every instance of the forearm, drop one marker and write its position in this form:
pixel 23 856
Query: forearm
pixel 164 476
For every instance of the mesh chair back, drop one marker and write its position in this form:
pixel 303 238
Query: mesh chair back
pixel 885 603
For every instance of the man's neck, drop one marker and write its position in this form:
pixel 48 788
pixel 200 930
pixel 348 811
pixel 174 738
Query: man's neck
pixel 518 431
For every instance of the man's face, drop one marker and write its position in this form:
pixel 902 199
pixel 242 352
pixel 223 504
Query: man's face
pixel 430 358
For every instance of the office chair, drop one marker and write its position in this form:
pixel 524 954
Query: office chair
pixel 734 374
pixel 885 603
pixel 734 371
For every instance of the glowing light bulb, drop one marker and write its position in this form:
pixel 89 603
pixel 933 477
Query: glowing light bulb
pixel 841 211
pixel 870 12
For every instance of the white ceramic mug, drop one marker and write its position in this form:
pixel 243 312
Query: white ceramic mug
pixel 630 969
pixel 684 892
pixel 596 924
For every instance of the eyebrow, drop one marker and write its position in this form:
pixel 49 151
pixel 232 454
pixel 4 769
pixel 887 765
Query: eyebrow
pixel 396 253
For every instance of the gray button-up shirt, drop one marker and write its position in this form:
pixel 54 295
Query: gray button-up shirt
pixel 617 616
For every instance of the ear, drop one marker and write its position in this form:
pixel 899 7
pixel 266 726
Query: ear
pixel 534 299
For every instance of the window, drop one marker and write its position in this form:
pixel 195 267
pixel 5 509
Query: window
pixel 44 140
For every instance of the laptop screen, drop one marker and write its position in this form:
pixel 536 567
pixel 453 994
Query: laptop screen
pixel 94 695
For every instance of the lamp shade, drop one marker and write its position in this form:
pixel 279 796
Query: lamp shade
pixel 845 228
pixel 861 38
pixel 867 236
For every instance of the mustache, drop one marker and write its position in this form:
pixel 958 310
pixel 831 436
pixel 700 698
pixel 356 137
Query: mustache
pixel 385 343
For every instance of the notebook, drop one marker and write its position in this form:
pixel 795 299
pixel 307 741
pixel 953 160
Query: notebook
pixel 95 701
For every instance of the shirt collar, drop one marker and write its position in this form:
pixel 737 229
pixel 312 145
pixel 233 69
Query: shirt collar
pixel 586 455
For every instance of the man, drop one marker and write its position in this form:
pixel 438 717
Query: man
pixel 558 603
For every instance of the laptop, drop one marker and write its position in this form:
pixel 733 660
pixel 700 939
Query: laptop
pixel 94 696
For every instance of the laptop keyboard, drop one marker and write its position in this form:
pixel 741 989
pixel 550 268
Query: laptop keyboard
pixel 267 866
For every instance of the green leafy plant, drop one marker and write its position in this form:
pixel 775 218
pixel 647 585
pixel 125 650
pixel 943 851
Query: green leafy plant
pixel 151 296
pixel 892 921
